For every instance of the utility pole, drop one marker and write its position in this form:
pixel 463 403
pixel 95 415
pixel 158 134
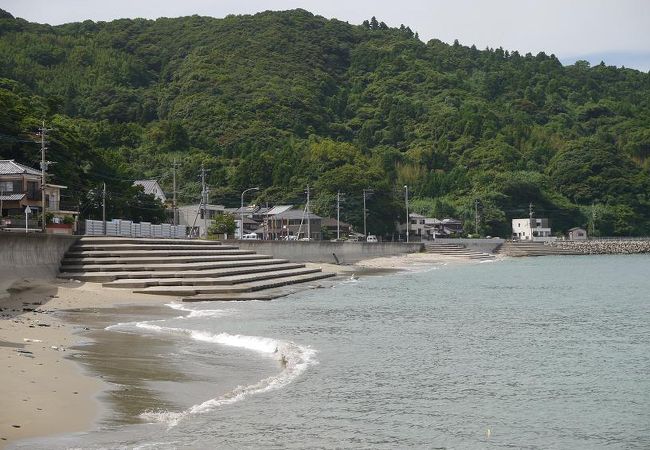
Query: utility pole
pixel 204 200
pixel 338 215
pixel 365 194
pixel 43 132
pixel 308 218
pixel 266 222
pixel 174 193
pixel 408 220
pixel 593 219
pixel 476 216
pixel 104 208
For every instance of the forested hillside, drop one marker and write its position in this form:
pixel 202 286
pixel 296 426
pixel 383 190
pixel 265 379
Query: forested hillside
pixel 282 100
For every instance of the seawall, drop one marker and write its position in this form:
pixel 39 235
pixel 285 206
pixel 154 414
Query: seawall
pixel 324 251
pixel 479 245
pixel 31 255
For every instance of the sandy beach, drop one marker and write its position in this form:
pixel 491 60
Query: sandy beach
pixel 40 377
pixel 387 264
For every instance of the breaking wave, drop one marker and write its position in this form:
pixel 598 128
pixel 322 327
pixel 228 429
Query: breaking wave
pixel 199 312
pixel 292 358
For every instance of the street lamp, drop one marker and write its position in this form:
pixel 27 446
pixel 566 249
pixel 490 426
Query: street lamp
pixel 241 211
pixel 407 212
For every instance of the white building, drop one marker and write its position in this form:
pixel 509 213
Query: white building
pixel 531 229
pixel 152 187
pixel 197 219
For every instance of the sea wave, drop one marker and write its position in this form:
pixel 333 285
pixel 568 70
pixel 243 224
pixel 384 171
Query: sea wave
pixel 127 327
pixel 199 312
pixel 293 359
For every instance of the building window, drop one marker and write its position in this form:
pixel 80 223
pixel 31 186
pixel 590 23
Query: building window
pixel 32 190
pixel 14 186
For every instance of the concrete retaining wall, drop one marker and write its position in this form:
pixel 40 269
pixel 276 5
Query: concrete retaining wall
pixel 480 245
pixel 32 255
pixel 324 251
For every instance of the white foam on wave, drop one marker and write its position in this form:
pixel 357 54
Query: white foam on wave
pixel 193 313
pixel 199 312
pixel 125 326
pixel 421 268
pixel 294 360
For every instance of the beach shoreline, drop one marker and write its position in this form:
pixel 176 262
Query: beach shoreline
pixel 42 378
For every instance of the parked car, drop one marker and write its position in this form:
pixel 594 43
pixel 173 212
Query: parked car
pixel 250 237
pixel 371 239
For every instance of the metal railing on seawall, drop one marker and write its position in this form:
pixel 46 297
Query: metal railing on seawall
pixel 127 228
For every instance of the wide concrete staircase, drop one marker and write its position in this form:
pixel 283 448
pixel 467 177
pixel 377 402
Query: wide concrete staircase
pixel 196 270
pixel 457 250
pixel 533 249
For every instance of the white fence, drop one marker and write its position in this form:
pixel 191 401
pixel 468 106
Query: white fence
pixel 126 228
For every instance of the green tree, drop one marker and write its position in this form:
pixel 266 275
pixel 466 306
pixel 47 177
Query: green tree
pixel 223 224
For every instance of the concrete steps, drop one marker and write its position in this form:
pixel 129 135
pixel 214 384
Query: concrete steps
pixel 119 247
pixel 104 277
pixel 238 288
pixel 233 297
pixel 168 266
pixel 158 253
pixel 183 268
pixel 110 240
pixel 209 281
pixel 456 250
pixel 167 259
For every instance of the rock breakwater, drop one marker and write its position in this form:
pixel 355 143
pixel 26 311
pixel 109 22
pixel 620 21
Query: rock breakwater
pixel 604 247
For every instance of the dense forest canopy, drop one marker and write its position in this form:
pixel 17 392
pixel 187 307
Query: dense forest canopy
pixel 282 100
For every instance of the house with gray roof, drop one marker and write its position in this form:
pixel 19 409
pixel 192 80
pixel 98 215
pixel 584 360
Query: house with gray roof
pixel 20 186
pixel 152 187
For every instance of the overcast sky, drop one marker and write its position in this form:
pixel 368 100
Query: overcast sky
pixel 616 31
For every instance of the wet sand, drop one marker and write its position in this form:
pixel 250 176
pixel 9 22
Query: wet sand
pixel 39 378
pixel 58 357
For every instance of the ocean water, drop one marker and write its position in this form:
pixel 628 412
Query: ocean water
pixel 549 352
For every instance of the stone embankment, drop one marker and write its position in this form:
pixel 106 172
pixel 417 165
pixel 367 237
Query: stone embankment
pixel 604 247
